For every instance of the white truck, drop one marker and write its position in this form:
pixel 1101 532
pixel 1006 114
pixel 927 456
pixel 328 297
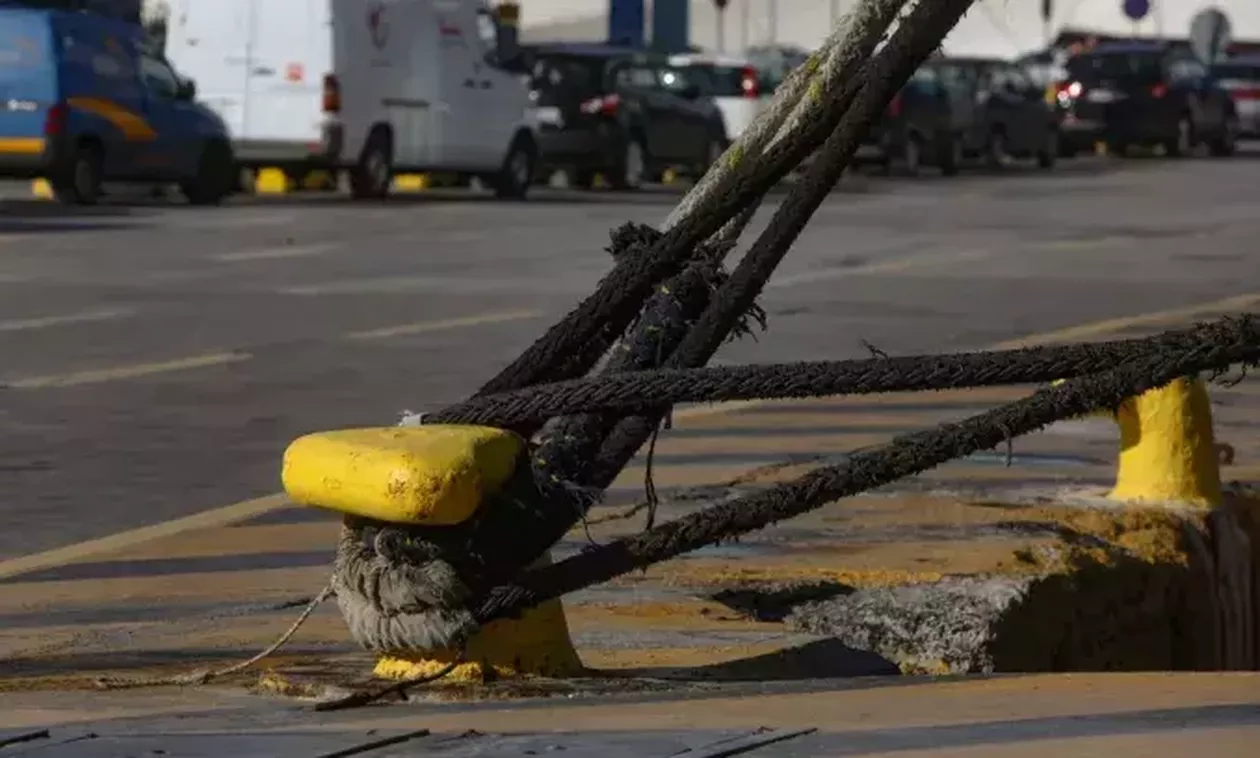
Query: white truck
pixel 372 87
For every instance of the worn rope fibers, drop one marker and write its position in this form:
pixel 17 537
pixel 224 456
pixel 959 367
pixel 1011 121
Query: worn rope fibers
pixel 904 456
pixel 637 392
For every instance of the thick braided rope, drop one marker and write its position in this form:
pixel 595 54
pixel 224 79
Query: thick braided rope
pixel 641 391
pixel 905 456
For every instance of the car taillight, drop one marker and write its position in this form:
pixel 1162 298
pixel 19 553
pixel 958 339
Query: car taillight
pixel 748 83
pixel 1248 93
pixel 1068 91
pixel 604 105
pixel 1159 90
pixel 332 94
pixel 55 120
pixel 894 106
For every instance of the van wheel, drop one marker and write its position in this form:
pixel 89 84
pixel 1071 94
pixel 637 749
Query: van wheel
pixel 216 175
pixel 81 183
pixel 514 177
pixel 370 178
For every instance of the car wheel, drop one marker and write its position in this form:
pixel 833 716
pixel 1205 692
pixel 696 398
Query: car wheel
pixel 632 168
pixel 371 176
pixel 513 180
pixel 216 175
pixel 1183 142
pixel 1050 151
pixel 1225 144
pixel 81 183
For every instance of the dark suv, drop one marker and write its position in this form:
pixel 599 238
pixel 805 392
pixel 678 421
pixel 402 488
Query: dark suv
pixel 621 113
pixel 999 111
pixel 917 129
pixel 1144 94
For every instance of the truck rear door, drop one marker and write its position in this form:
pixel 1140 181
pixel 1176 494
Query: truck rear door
pixel 291 51
pixel 209 43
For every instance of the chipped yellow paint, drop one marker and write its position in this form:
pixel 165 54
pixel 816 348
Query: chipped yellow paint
pixel 435 474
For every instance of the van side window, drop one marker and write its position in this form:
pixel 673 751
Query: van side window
pixel 158 78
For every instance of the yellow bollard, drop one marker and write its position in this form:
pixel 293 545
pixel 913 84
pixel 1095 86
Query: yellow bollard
pixel 272 181
pixel 1168 452
pixel 41 189
pixel 669 176
pixel 434 475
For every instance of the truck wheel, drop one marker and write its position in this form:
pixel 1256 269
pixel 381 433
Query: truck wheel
pixel 371 176
pixel 216 175
pixel 81 183
pixel 513 180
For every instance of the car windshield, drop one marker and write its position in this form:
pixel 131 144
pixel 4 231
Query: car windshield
pixel 720 81
pixel 567 73
pixel 1118 66
pixel 1237 71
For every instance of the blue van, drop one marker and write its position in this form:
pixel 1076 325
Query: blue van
pixel 83 102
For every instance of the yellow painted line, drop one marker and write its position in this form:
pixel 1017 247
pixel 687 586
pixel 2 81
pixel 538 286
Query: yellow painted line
pixel 25 324
pixel 425 327
pixel 216 517
pixel 1154 318
pixel 19 146
pixel 275 253
pixel 118 373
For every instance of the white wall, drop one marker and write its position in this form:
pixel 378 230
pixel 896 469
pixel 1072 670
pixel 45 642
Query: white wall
pixel 991 27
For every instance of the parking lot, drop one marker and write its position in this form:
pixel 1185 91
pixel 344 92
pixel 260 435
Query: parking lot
pixel 158 358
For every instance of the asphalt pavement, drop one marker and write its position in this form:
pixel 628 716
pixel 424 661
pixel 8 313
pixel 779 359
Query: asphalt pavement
pixel 157 358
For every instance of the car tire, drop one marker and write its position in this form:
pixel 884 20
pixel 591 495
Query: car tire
pixel 517 173
pixel 631 168
pixel 1181 144
pixel 216 176
pixel 950 157
pixel 1048 154
pixel 371 177
pixel 81 182
pixel 1225 143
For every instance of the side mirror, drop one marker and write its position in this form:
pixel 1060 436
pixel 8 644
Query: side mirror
pixel 187 90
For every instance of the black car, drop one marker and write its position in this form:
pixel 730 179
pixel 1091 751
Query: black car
pixel 917 129
pixel 999 112
pixel 621 113
pixel 1144 94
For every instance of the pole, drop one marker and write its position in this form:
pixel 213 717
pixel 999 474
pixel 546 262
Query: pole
pixel 719 14
pixel 745 20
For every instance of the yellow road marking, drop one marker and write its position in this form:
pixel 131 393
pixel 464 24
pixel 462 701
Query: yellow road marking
pixel 425 327
pixel 274 253
pixel 1155 318
pixel 24 324
pixel 252 508
pixel 216 517
pixel 96 376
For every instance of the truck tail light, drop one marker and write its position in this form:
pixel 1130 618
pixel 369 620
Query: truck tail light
pixel 332 94
pixel 605 105
pixel 55 120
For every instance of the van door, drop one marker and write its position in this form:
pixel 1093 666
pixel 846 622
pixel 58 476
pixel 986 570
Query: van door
pixel 28 81
pixel 499 100
pixel 465 90
pixel 290 53
pixel 209 43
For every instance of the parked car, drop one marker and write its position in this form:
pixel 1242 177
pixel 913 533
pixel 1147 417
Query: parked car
pixel 625 114
pixel 1240 77
pixel 917 129
pixel 375 89
pixel 1000 112
pixel 86 104
pixel 1144 94
pixel 732 83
